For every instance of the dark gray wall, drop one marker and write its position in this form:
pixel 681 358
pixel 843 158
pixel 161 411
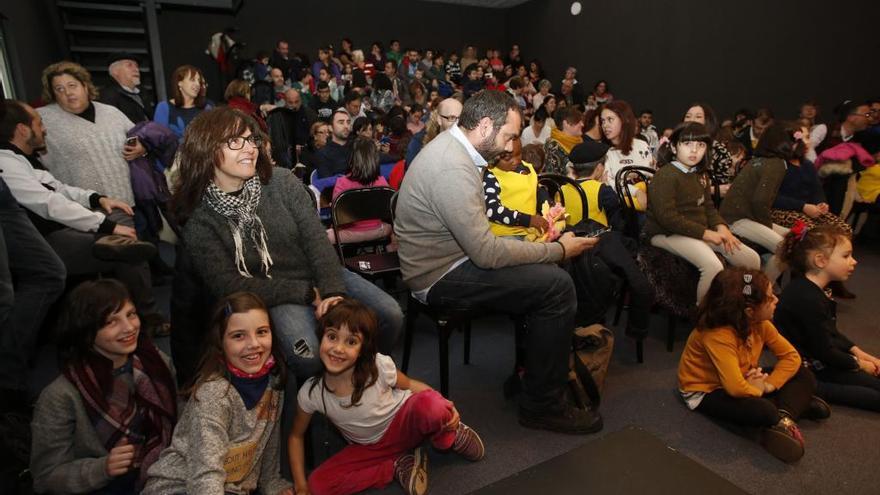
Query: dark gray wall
pixel 308 24
pixel 35 43
pixel 666 54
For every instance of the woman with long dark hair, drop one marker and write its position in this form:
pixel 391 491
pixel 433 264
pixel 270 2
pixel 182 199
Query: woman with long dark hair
pixel 250 227
pixel 188 86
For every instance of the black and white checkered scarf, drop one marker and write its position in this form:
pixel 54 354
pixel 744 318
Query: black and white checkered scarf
pixel 241 215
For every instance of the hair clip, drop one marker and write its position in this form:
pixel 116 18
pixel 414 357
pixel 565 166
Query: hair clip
pixel 227 310
pixel 747 287
pixel 798 136
pixel 799 229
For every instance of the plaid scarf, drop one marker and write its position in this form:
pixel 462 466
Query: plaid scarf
pixel 144 418
pixel 241 215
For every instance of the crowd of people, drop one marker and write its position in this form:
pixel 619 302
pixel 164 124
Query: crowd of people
pixel 279 329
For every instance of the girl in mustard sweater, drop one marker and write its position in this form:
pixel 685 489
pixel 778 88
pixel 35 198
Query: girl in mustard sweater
pixel 719 376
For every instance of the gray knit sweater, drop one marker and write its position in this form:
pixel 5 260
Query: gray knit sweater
pixel 219 446
pixel 88 155
pixel 441 218
pixel 302 255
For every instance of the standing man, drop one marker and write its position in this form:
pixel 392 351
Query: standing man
pixel 449 256
pixel 124 93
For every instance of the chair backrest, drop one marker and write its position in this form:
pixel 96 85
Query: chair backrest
pixel 554 182
pixel 354 205
pixel 625 177
pixel 369 203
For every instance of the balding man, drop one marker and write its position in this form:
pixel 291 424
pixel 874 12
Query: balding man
pixel 124 93
pixel 302 117
pixel 443 117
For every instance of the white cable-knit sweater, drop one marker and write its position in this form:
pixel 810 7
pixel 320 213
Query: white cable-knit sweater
pixel 88 155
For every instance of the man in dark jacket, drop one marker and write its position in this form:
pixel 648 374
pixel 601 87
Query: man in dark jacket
pixel 124 93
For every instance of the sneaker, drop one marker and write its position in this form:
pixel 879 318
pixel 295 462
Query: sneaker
pixel 784 440
pixel 411 471
pixel 570 419
pixel 817 410
pixel 121 248
pixel 467 443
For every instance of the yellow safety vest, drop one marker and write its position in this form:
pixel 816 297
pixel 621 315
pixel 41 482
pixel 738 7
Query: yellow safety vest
pixel 518 192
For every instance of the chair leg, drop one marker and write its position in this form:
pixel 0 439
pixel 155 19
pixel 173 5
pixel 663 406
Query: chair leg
pixel 467 342
pixel 412 314
pixel 621 301
pixel 519 343
pixel 670 332
pixel 443 333
pixel 640 351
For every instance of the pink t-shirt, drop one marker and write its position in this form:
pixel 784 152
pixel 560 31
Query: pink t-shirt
pixel 346 183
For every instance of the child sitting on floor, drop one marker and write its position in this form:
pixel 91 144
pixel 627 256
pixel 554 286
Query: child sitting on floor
pixel 384 414
pixel 719 376
pixel 100 425
pixel 227 440
pixel 807 316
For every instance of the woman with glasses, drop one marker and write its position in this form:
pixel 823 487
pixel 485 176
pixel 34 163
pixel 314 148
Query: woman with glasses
pixel 251 227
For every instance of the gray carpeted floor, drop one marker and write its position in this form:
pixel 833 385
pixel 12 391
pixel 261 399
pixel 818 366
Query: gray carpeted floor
pixel 841 453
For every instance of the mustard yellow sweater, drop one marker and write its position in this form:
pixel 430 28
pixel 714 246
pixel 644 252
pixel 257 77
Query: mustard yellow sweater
pixel 717 358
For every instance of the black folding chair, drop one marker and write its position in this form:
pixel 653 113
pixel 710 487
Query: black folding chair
pixel 355 205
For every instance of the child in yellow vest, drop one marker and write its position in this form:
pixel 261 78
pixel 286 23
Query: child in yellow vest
pixel 586 166
pixel 511 189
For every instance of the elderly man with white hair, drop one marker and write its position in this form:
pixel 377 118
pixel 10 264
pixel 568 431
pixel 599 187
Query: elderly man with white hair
pixel 124 93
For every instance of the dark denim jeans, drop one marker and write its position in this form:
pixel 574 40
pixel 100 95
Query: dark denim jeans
pixel 31 279
pixel 543 293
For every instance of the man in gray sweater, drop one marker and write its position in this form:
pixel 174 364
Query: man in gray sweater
pixel 450 258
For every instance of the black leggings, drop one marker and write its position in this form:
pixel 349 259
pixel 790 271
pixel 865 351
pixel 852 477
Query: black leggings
pixel 849 388
pixel 794 397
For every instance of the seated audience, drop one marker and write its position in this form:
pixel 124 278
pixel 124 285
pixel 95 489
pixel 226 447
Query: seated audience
pixel 719 376
pixel 363 171
pixel 537 131
pixel 601 93
pixel 123 93
pixel 385 415
pixel 750 135
pixel 249 227
pixel 816 131
pixel 443 247
pixel 746 207
pixel 604 212
pixel 619 130
pixel 721 165
pixel 681 216
pixel 87 241
pixel 100 425
pixel 563 137
pixel 648 131
pixel 228 437
pixel 820 255
pixel 513 204
pixel 852 118
pixel 238 96
pixel 188 87
pixel 88 148
pixel 324 104
pixel 31 279
pixel 334 157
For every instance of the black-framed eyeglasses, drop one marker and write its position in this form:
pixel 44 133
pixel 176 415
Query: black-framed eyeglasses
pixel 237 143
pixel 450 118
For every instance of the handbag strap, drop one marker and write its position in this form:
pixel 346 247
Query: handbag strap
pixel 586 378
